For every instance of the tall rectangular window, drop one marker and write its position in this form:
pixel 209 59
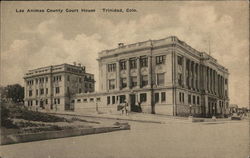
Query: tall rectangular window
pixel 194 99
pixel 111 67
pixel 36 91
pixel 163 96
pixel 160 79
pixel 183 97
pixel 57 90
pixel 80 90
pixel 156 97
pixel 160 59
pixel 68 78
pixel 47 90
pixel 144 61
pixel 111 84
pixel 143 97
pixel 180 79
pixel 123 82
pixel 30 93
pixel 179 60
pixel 108 99
pixel 113 99
pixel 189 99
pixel 123 64
pixel 180 97
pixel 198 100
pixel 133 81
pixel 42 91
pixel 132 63
pixel 144 80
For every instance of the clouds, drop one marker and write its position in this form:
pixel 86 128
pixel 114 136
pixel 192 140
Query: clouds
pixel 49 43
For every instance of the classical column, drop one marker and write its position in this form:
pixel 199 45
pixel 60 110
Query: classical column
pixel 184 72
pixel 118 75
pixel 149 70
pixel 128 73
pixel 198 77
pixel 190 74
pixel 138 72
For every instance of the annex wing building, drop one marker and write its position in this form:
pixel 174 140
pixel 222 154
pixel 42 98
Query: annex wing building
pixel 164 76
pixel 53 87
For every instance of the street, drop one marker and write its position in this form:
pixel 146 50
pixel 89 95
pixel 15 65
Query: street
pixel 146 140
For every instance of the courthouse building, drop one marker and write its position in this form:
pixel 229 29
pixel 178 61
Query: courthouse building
pixel 164 76
pixel 53 87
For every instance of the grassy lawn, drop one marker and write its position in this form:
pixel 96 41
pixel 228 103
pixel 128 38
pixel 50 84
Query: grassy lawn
pixel 18 119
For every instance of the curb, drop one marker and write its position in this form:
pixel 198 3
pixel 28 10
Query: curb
pixel 21 138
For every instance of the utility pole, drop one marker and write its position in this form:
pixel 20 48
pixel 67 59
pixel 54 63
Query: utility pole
pixel 152 82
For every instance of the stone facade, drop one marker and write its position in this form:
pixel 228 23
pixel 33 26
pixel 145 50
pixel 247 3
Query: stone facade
pixel 53 87
pixel 165 76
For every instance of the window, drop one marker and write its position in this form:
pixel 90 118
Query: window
pixel 85 100
pixel 111 67
pixel 180 97
pixel 36 91
pixel 112 84
pixel 54 101
pixel 198 100
pixel 30 92
pixel 123 64
pixel 189 99
pixel 180 79
pixel 183 97
pixel 36 102
pixel 42 91
pixel 133 81
pixel 58 101
pixel 78 100
pixel 179 60
pixel 160 59
pixel 113 99
pixel 80 79
pixel 86 85
pixel 123 82
pixel 57 90
pixel 194 99
pixel 68 78
pixel 98 99
pixel 156 97
pixel 46 79
pixel 144 80
pixel 36 80
pixel 132 63
pixel 80 90
pixel 122 98
pixel 47 90
pixel 163 96
pixel 160 79
pixel 91 99
pixel 108 100
pixel 143 97
pixel 144 61
pixel 46 101
pixel 226 81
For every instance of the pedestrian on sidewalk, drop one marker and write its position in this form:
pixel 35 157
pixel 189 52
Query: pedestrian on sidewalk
pixel 126 108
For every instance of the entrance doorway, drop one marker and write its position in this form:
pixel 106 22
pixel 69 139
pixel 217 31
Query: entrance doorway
pixel 132 102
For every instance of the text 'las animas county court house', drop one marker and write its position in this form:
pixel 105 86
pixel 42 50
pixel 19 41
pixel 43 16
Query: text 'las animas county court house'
pixel 165 76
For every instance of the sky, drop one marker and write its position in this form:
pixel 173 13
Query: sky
pixel 33 40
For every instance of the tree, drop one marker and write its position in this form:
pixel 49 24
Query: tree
pixel 15 92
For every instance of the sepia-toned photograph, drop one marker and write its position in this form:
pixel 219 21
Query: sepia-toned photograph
pixel 124 79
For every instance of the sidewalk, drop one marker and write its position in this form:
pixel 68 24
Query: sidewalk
pixel 146 118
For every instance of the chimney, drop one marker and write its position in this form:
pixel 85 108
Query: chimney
pixel 120 45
